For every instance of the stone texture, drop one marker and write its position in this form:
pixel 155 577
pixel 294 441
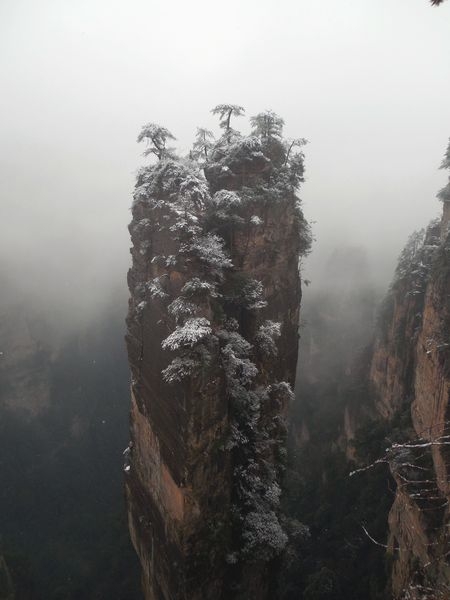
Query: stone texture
pixel 411 372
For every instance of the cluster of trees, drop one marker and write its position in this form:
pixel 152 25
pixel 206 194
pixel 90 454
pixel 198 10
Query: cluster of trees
pixel 414 269
pixel 267 127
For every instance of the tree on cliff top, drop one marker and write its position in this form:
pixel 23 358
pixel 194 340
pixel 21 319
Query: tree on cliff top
pixel 156 138
pixel 446 160
pixel 267 125
pixel 225 112
pixel 203 144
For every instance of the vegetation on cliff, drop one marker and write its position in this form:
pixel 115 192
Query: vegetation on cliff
pixel 414 267
pixel 444 194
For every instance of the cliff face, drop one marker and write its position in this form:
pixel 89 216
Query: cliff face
pixel 410 374
pixel 212 344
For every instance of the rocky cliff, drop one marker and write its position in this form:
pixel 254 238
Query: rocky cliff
pixel 410 375
pixel 212 343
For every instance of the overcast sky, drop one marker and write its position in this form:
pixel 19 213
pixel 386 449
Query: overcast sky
pixel 367 82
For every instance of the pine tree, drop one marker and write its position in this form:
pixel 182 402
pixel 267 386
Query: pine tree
pixel 296 143
pixel 225 112
pixel 267 125
pixel 446 160
pixel 203 144
pixel 156 138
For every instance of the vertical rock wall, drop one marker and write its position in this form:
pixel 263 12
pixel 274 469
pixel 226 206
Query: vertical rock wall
pixel 411 374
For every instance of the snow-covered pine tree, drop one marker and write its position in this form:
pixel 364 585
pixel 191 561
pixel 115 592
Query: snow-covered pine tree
pixel 267 125
pixel 225 112
pixel 204 141
pixel 156 138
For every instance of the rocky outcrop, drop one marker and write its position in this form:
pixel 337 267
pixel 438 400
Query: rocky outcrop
pixel 410 374
pixel 212 344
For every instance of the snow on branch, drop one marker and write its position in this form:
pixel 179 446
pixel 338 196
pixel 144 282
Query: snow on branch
pixel 266 337
pixel 209 249
pixel 181 308
pixel 188 335
pixel 263 535
pixel 179 369
pixel 156 138
pixel 252 295
pixel 422 483
pixel 196 287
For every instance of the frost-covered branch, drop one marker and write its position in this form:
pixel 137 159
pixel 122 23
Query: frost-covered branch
pixel 188 335
pixel 156 138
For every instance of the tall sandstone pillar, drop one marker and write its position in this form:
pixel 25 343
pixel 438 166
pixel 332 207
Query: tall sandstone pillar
pixel 225 247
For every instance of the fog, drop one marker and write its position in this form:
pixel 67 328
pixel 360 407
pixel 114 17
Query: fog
pixel 365 81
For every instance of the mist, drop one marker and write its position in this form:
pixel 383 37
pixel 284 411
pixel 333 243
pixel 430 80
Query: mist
pixel 365 82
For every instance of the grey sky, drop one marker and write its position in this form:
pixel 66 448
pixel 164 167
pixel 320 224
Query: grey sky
pixel 366 81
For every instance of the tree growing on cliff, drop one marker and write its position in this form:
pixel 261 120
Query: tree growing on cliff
pixel 203 144
pixel 156 138
pixel 225 112
pixel 444 194
pixel 290 148
pixel 188 335
pixel 446 160
pixel 267 125
pixel 421 479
